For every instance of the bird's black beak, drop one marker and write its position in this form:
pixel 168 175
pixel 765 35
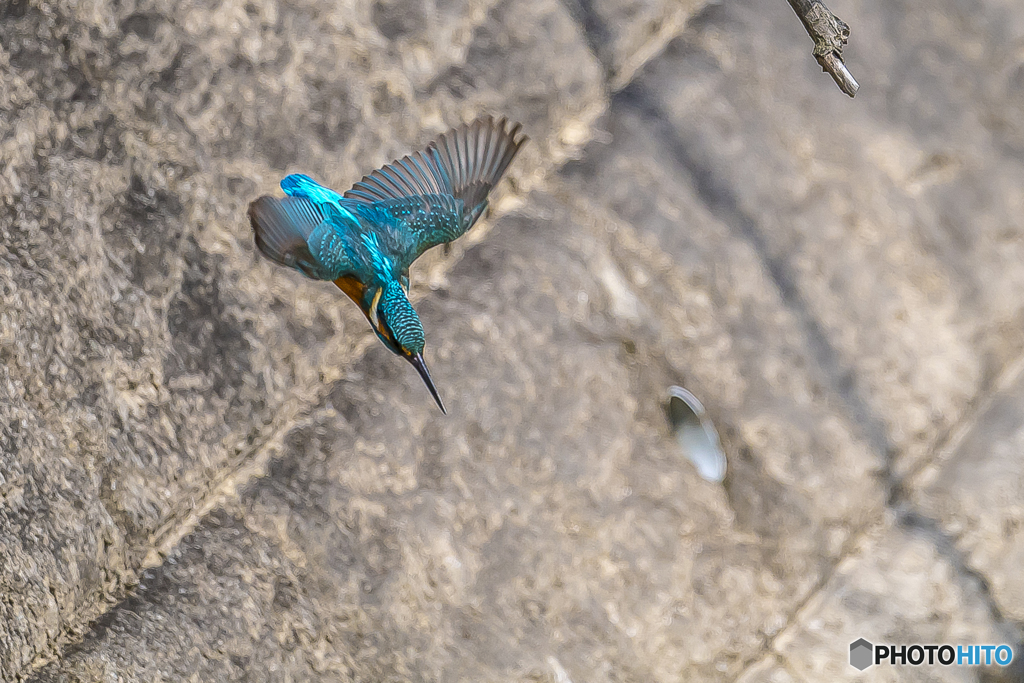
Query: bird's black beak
pixel 421 367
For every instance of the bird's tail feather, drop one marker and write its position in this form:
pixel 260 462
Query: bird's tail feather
pixel 282 227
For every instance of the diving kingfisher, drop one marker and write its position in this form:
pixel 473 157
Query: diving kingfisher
pixel 365 240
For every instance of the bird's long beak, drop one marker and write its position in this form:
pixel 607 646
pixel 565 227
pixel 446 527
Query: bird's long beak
pixel 421 367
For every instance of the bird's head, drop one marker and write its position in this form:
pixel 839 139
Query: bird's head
pixel 399 328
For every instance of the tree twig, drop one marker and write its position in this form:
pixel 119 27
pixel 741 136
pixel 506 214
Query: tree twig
pixel 829 34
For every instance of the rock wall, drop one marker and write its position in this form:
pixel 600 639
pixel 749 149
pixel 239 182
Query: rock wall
pixel 210 470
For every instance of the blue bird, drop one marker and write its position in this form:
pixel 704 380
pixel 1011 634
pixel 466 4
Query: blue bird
pixel 365 240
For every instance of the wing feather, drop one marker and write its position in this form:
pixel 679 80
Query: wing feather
pixel 466 163
pixel 294 232
pixel 281 228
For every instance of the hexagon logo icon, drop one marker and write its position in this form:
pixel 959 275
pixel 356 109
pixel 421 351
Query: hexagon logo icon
pixel 861 654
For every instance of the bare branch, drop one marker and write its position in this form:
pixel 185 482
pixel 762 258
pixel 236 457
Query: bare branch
pixel 829 34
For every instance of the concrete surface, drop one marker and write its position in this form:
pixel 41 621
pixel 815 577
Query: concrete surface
pixel 145 342
pixel 210 471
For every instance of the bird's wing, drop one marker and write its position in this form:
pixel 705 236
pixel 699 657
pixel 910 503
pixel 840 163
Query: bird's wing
pixel 422 221
pixel 464 163
pixel 297 233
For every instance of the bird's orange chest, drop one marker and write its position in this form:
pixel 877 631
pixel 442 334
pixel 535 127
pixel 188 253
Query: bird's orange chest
pixel 355 289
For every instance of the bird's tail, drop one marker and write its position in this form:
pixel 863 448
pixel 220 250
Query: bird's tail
pixel 282 228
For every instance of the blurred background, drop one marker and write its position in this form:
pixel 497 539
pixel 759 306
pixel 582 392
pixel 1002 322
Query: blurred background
pixel 211 471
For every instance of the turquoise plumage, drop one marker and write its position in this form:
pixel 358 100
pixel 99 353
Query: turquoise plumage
pixel 366 239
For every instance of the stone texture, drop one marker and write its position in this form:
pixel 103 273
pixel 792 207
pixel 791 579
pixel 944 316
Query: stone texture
pixel 975 492
pixel 724 327
pixel 548 525
pixel 835 279
pixel 891 222
pixel 896 587
pixel 470 548
pixel 143 340
pixel 767 671
pixel 626 34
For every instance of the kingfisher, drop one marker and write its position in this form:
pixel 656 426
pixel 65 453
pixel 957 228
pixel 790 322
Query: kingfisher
pixel 365 240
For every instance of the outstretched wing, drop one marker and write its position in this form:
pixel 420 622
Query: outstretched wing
pixel 297 233
pixel 423 221
pixel 444 187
